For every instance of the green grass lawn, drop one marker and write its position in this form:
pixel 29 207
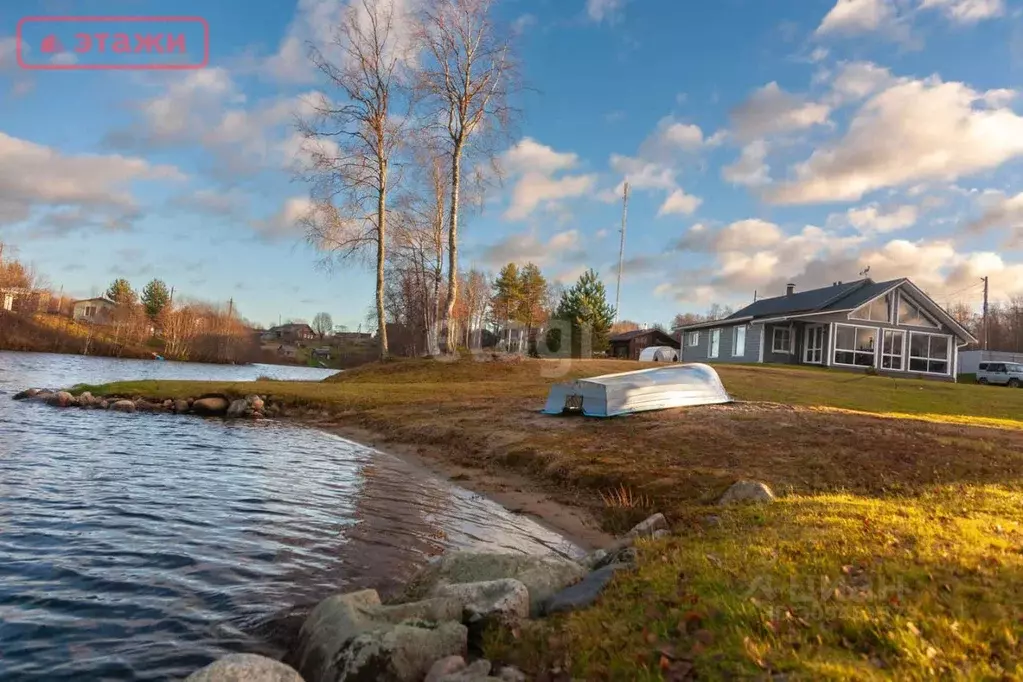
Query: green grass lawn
pixel 894 552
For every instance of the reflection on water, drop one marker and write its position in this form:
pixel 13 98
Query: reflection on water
pixel 144 546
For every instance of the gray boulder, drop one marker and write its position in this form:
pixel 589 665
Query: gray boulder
pixel 354 637
pixel 585 592
pixel 237 408
pixel 181 406
pixel 504 599
pixel 245 668
pixel 648 527
pixel 543 576
pixel 747 491
pixel 86 399
pixel 212 405
pixel 123 406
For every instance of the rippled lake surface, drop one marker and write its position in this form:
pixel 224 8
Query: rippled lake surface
pixel 142 547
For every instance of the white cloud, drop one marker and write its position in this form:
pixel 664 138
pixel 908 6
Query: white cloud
pixel 771 110
pixel 678 202
pixel 858 80
pixel 535 166
pixel 1002 211
pixel 751 167
pixel 36 176
pixel 642 174
pixel 741 236
pixel 874 218
pixel 850 17
pixel 528 248
pixel 914 131
pixel 288 222
pixel 967 11
pixel 599 10
pixel 215 202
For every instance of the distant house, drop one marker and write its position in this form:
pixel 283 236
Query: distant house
pixel 95 310
pixel 628 345
pixel 287 351
pixel 20 300
pixel 290 333
pixel 890 327
pixel 322 353
pixel 353 337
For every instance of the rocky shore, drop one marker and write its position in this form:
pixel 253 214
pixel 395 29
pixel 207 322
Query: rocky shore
pixel 434 631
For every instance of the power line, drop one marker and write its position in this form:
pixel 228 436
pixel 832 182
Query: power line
pixel 972 286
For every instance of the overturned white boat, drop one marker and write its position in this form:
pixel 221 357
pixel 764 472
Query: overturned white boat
pixel 658 388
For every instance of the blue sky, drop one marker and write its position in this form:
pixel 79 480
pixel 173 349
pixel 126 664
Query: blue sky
pixel 765 142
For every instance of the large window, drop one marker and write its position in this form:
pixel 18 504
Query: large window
pixel 693 338
pixel 715 343
pixel 738 341
pixel 929 353
pixel 814 349
pixel 911 316
pixel 855 345
pixel 878 310
pixel 892 350
pixel 781 341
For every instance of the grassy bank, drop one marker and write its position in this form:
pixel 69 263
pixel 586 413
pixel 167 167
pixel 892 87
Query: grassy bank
pixel 894 552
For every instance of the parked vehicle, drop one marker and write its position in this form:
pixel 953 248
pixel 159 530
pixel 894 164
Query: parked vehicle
pixel 1000 373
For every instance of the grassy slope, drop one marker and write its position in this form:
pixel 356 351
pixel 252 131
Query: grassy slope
pixel 895 551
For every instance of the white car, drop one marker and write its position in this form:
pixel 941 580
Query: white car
pixel 1000 373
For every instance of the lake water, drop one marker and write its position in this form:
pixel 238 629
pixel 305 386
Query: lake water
pixel 142 546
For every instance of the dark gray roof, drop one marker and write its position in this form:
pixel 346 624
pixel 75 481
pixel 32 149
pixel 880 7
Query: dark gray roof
pixel 845 296
pixel 628 336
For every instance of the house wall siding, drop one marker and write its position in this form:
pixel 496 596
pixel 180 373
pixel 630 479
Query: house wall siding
pixel 701 353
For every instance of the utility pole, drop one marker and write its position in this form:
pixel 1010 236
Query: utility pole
pixel 621 249
pixel 985 313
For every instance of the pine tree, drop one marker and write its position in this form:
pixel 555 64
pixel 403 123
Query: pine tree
pixel 121 293
pixel 585 308
pixel 155 297
pixel 532 310
pixel 507 297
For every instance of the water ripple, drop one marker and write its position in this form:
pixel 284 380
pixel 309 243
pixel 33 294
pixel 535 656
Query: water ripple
pixel 141 547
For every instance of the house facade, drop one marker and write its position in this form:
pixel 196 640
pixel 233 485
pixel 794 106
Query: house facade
pixel 291 333
pixel 892 327
pixel 95 310
pixel 628 345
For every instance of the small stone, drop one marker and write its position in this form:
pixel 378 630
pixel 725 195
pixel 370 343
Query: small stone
pixel 620 554
pixel 213 405
pixel 747 491
pixel 237 408
pixel 477 671
pixel 646 528
pixel 444 667
pixel 257 415
pixel 168 404
pixel 181 406
pixel 585 592
pixel 511 674
pixel 123 406
pixel 104 404
pixel 255 402
pixel 595 558
pixel 245 668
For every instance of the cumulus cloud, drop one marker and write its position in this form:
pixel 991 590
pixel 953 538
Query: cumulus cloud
pixel 913 131
pixel 535 167
pixel 967 11
pixel 855 81
pixel 678 202
pixel 36 176
pixel 850 17
pixel 771 110
pixel 528 248
pixel 1002 211
pixel 743 235
pixel 879 219
pixel 288 222
pixel 751 168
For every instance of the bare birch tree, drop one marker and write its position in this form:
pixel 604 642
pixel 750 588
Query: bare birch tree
pixel 469 74
pixel 353 144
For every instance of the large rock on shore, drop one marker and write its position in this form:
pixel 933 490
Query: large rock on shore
pixel 123 406
pixel 543 576
pixel 747 491
pixel 355 637
pixel 237 408
pixel 211 405
pixel 245 668
pixel 506 599
pixel 27 394
pixel 61 399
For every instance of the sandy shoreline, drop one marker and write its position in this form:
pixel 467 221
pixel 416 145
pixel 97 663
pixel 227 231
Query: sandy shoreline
pixel 512 491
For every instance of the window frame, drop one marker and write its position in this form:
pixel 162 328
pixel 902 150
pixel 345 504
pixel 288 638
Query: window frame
pixel 934 324
pixel 890 299
pixel 714 350
pixel 949 350
pixel 693 339
pixel 787 350
pixel 738 350
pixel 821 350
pixel 835 349
pixel 901 355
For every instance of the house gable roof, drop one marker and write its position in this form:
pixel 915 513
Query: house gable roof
pixel 100 299
pixel 636 333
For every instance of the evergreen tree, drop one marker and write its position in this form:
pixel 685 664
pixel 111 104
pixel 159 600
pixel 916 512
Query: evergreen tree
pixel 533 305
pixel 121 293
pixel 585 308
pixel 155 297
pixel 507 295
